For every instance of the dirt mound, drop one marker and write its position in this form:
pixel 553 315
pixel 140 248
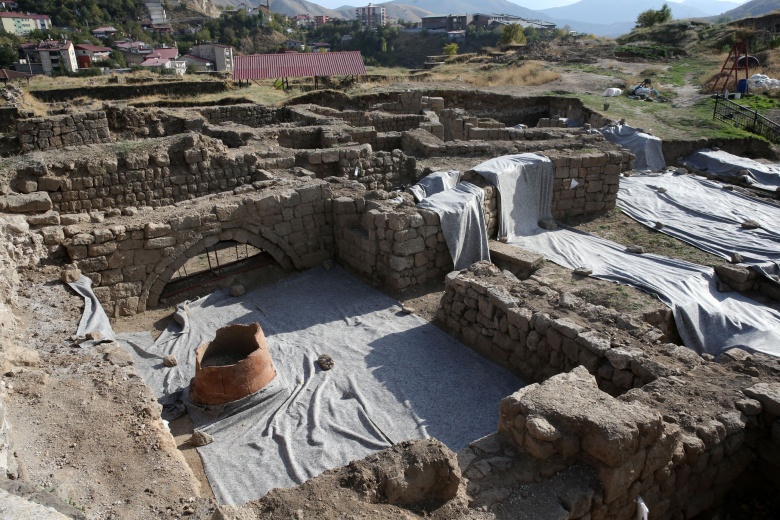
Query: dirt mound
pixel 410 479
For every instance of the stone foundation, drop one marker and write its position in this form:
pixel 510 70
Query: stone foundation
pixel 647 440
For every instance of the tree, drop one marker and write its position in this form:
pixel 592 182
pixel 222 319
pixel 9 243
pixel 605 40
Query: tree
pixel 451 49
pixel 8 55
pixel 512 33
pixel 653 17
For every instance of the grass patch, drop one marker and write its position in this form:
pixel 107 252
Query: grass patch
pixel 524 73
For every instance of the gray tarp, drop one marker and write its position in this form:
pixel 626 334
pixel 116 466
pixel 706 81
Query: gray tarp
pixel 463 222
pixel 703 214
pixel 525 183
pixel 94 318
pixel 396 377
pixel 708 321
pixel 434 183
pixel 766 176
pixel 646 147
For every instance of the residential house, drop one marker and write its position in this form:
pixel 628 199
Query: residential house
pixel 371 15
pixel 302 20
pixel 104 32
pixel 198 63
pixel 22 24
pixel 87 54
pixel 319 21
pixel 161 64
pixel 220 55
pixel 456 36
pixel 136 55
pixel 295 45
pixel 320 47
pixel 448 22
pixel 48 57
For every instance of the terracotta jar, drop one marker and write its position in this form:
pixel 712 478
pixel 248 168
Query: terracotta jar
pixel 235 364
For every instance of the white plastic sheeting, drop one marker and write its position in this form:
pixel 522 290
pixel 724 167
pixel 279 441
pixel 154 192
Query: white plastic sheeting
pixel 525 183
pixel 760 175
pixel 612 92
pixel 462 215
pixel 646 147
pixel 434 183
pixel 94 318
pixel 395 377
pixel 708 321
pixel 762 81
pixel 703 214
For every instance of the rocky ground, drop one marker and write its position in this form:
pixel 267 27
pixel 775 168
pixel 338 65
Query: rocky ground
pixel 88 438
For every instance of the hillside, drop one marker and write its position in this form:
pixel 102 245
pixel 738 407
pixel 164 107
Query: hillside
pixel 398 11
pixel 609 11
pixel 753 8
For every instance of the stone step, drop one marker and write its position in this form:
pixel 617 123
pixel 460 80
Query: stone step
pixel 520 262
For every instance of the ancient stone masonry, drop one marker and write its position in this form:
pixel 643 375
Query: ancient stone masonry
pixel 153 173
pixel 68 130
pixel 651 440
pixel 131 257
pixel 247 115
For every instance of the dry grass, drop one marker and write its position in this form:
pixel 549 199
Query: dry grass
pixel 527 73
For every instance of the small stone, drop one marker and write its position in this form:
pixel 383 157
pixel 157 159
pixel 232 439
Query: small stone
pixel 326 362
pixel 768 394
pixel 662 190
pixel 583 271
pixel 170 361
pixel 728 187
pixel 237 290
pixel 736 258
pixel 637 250
pixel 200 438
pixel 69 275
pixel 93 336
pixel 407 310
pixel 130 211
pixel 503 240
pixel 681 171
pixel 750 224
pixel 548 224
pixel 659 225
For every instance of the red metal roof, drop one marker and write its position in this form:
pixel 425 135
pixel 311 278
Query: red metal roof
pixel 167 53
pixel 6 74
pixel 10 14
pixel 298 65
pixel 92 48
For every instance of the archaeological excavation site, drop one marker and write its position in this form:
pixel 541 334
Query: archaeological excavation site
pixel 401 304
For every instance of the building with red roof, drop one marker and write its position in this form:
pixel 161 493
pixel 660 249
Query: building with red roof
pixel 87 54
pixel 104 32
pixel 298 65
pixel 21 24
pixel 48 57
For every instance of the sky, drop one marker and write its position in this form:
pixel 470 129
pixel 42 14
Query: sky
pixel 531 4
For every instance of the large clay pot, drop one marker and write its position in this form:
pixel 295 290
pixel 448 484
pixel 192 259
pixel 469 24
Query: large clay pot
pixel 234 365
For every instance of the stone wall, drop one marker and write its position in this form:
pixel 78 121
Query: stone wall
pixel 69 130
pixel 157 174
pixel 396 245
pixel 651 439
pixel 115 92
pixel 130 258
pixel 247 114
pixel 584 182
pixel 374 170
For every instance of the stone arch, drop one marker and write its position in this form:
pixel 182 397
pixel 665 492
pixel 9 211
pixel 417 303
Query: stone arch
pixel 261 238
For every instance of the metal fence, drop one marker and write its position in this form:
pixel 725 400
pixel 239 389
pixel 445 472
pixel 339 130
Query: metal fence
pixel 745 118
